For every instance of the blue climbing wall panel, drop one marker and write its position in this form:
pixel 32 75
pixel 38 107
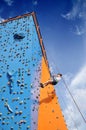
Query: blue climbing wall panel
pixel 20 63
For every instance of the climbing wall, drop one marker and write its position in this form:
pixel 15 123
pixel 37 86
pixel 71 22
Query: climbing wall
pixel 20 62
pixel 23 104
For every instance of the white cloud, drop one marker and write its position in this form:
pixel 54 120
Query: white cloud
pixel 9 2
pixel 73 119
pixel 77 15
pixel 78 86
pixel 72 14
pixel 79 30
pixel 80 79
pixel 78 10
pixel 71 123
pixel 35 2
pixel 78 89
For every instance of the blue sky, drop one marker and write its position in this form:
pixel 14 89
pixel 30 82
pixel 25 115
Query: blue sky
pixel 63 28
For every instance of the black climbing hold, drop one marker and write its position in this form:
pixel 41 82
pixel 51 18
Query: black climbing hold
pixel 18 36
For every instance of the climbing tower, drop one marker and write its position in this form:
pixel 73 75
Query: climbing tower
pixel 23 65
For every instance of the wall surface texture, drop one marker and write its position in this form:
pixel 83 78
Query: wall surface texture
pixel 23 65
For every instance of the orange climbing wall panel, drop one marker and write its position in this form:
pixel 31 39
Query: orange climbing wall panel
pixel 49 115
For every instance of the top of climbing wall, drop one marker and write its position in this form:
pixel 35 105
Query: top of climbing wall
pixel 37 29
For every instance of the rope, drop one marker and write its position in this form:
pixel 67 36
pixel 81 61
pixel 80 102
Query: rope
pixel 70 93
pixel 64 103
pixel 74 100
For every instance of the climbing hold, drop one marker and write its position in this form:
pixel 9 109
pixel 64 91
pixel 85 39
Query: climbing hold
pixel 31 85
pixel 20 112
pixel 14 93
pixel 12 117
pixel 0 75
pixel 11 128
pixel 9 83
pixel 7 123
pixel 21 92
pixel 52 110
pixel 18 36
pixel 22 122
pixel 3 118
pixel 24 117
pixel 8 107
pixel 15 99
pixel 22 85
pixel 18 81
pixel 16 113
pixel 21 102
pixel 3 122
pixel 2 99
pixel 0 114
pixel 28 127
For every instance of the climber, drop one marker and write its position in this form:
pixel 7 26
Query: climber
pixel 53 80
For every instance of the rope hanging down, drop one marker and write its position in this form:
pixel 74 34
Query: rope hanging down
pixel 69 91
pixel 75 124
pixel 74 100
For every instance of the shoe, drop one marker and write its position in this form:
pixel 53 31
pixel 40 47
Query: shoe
pixel 41 85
